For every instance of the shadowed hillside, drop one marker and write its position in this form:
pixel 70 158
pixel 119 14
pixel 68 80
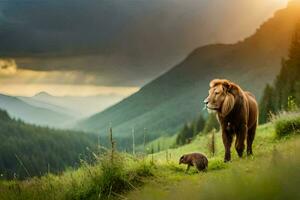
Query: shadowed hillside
pixel 28 150
pixel 165 104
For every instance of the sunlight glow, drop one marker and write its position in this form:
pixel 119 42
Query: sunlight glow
pixel 20 82
pixel 65 90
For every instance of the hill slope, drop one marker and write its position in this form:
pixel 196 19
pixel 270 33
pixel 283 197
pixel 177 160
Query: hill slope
pixel 31 114
pixel 28 150
pixel 272 173
pixel 163 105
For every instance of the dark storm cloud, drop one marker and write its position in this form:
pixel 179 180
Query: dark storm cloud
pixel 122 40
pixel 59 26
pixel 77 26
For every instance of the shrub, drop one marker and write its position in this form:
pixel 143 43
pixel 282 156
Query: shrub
pixel 116 177
pixel 286 124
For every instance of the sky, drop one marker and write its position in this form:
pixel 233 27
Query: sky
pixel 75 47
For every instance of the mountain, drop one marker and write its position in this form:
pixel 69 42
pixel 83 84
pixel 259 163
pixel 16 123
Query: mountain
pixel 76 106
pixel 49 106
pixel 165 104
pixel 32 114
pixel 28 150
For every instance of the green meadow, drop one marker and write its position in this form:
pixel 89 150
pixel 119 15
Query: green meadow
pixel 272 172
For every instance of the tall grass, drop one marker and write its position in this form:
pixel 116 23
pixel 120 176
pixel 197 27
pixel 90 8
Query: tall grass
pixel 104 180
pixel 113 178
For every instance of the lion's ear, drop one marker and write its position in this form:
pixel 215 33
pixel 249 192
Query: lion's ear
pixel 227 85
pixel 228 104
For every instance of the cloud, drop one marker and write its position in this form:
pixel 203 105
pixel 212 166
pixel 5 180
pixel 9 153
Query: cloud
pixel 24 82
pixel 8 67
pixel 124 28
pixel 121 41
pixel 66 90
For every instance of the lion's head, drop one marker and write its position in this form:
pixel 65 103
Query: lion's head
pixel 220 98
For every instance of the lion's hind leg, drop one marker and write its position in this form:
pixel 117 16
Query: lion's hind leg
pixel 250 138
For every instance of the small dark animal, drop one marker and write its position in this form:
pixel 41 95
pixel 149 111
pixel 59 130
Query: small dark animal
pixel 194 159
pixel 237 112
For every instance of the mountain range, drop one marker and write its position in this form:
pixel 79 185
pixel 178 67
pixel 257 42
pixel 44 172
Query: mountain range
pixel 19 109
pixel 77 106
pixel 55 111
pixel 162 106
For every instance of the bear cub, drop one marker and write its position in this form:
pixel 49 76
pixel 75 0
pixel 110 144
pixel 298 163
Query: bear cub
pixel 194 159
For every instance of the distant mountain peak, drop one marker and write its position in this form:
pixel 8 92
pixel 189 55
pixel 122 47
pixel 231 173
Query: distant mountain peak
pixel 42 94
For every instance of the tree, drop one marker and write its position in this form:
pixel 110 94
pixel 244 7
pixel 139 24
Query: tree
pixel 288 81
pixel 211 123
pixel 184 135
pixel 285 93
pixel 198 125
pixel 267 104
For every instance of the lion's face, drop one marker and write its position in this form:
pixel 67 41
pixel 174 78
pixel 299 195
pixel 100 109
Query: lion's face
pixel 220 99
pixel 216 97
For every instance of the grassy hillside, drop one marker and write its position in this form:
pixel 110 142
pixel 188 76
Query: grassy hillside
pixel 272 172
pixel 33 114
pixel 28 150
pixel 165 104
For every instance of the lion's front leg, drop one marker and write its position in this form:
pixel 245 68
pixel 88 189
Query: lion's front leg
pixel 240 139
pixel 227 141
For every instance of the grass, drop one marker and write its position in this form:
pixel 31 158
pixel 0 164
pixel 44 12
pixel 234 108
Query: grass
pixel 272 173
pixel 159 144
pixel 265 137
pixel 272 176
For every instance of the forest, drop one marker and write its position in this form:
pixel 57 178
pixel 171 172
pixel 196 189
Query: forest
pixel 29 150
pixel 284 93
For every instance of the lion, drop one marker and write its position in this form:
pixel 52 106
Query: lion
pixel 237 113
pixel 194 159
